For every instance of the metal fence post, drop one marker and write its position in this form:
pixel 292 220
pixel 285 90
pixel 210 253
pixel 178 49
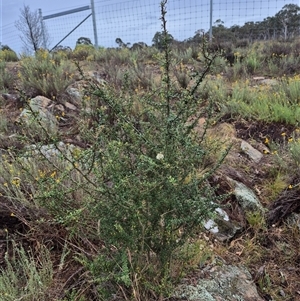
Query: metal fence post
pixel 210 20
pixel 42 28
pixel 94 23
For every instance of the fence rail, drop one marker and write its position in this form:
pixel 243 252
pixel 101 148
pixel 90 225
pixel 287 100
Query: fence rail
pixel 138 20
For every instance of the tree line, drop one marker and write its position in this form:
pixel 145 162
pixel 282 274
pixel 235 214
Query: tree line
pixel 285 25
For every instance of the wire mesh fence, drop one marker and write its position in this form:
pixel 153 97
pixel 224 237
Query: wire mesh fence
pixel 138 20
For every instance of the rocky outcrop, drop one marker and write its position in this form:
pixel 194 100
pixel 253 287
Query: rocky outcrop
pixel 39 113
pixel 220 283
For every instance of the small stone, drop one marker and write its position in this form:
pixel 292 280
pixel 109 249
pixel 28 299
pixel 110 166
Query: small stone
pixel 39 102
pixel 252 153
pixel 246 197
pixel 70 106
pixel 60 108
pixel 75 94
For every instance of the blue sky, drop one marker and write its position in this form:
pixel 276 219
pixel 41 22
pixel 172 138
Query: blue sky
pixel 132 20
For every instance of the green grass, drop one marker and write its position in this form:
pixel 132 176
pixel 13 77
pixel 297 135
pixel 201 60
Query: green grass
pixel 25 277
pixel 43 75
pixel 276 103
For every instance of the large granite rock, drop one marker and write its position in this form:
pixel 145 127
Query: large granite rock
pixel 220 283
pixel 38 113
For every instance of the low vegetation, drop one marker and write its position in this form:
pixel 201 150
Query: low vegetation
pixel 111 205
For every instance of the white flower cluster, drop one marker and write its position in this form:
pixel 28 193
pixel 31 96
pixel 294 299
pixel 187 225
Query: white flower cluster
pixel 159 156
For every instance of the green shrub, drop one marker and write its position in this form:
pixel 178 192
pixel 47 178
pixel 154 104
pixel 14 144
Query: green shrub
pixel 281 65
pixel 24 279
pixel 118 57
pixel 140 191
pixel 236 72
pixel 83 52
pixel 61 53
pixel 277 49
pixel 140 75
pixel 5 78
pixel 252 63
pixel 277 103
pixel 8 56
pixel 148 181
pixel 42 75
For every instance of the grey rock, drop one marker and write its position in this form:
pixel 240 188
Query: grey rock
pixel 96 76
pixel 258 78
pixel 39 102
pixel 221 226
pixel 269 82
pixel 294 220
pixel 38 113
pixel 51 151
pixel 265 81
pixel 74 94
pixel 251 152
pixel 246 197
pixel 70 106
pixel 10 97
pixel 220 283
pixel 222 229
pixel 60 107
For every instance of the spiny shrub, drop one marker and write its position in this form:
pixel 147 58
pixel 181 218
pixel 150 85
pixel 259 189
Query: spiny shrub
pixel 147 177
pixel 140 190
